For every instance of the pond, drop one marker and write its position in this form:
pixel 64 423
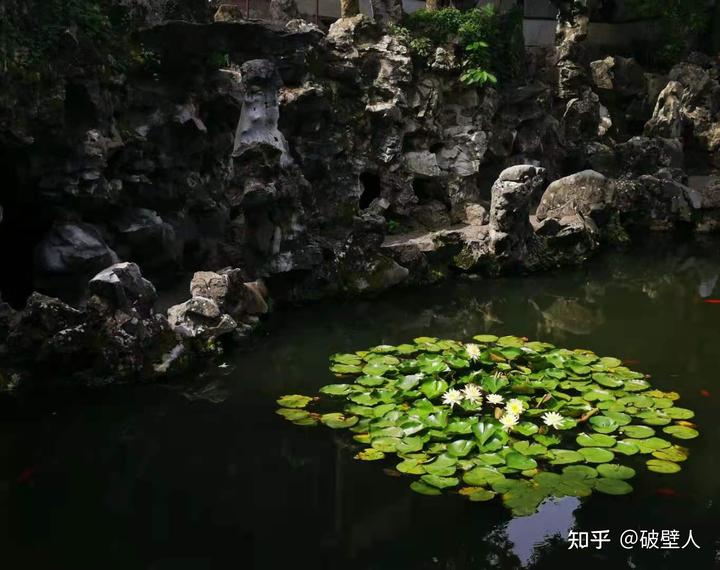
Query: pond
pixel 202 474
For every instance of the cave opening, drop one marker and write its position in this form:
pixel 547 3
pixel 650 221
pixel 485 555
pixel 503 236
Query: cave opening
pixel 371 189
pixel 22 226
pixel 429 190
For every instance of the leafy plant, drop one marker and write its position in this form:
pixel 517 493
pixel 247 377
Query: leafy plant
pixel 501 416
pixel 488 44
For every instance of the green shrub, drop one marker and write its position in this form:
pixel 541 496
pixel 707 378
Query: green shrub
pixel 489 44
pixel 682 23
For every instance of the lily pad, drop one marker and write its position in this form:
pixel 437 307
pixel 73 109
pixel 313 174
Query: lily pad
pixel 662 466
pixel 440 482
pixel 370 454
pixel 480 476
pixel 596 454
pixel 338 421
pixel 638 432
pixel 681 432
pixel 595 440
pixel 294 401
pixel 615 471
pixel 424 489
pixel 612 486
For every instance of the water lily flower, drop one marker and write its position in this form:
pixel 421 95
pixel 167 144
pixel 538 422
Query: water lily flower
pixel 495 399
pixel 552 419
pixel 473 351
pixel 452 397
pixel 509 421
pixel 515 407
pixel 472 394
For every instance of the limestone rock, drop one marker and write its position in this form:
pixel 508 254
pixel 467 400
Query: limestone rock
pixel 200 318
pixel 258 124
pixel 73 248
pixel 511 195
pixel 124 286
pixel 667 119
pixel 588 193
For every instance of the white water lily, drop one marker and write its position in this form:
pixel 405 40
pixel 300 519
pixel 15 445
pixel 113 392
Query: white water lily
pixel 494 399
pixel 509 421
pixel 552 419
pixel 515 407
pixel 472 394
pixel 473 351
pixel 452 397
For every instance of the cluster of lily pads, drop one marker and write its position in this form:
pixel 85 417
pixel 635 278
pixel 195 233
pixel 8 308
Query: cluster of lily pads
pixel 501 416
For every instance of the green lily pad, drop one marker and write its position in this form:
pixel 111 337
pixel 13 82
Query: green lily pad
pixel 638 432
pixel 440 482
pixel 477 494
pixel 679 413
pixel 292 414
pixel 519 461
pixel 603 424
pixel 662 466
pixel 580 471
pixel 409 445
pixel 294 401
pixel 565 456
pixel 625 448
pixel 596 454
pixel 481 476
pixel 674 453
pixel 338 421
pixel 612 486
pixel 370 454
pixel 615 471
pixel 424 489
pixel 681 432
pixel 595 440
pixel 527 448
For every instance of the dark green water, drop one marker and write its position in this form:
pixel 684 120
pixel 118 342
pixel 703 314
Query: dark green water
pixel 203 475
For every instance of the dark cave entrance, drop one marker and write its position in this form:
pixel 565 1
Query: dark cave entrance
pixel 371 189
pixel 22 227
pixel 429 190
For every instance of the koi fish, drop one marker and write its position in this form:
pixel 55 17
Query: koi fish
pixel 666 492
pixel 25 475
pixel 630 361
pixel 705 393
pixel 712 301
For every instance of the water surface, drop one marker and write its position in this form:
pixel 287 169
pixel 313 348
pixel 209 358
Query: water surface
pixel 201 474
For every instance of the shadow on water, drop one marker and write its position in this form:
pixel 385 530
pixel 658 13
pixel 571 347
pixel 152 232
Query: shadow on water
pixel 202 474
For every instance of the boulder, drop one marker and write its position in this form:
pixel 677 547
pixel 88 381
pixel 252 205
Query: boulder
pixel 646 155
pixel 656 202
pixel 200 318
pixel 228 289
pixel 73 249
pixel 582 119
pixel 709 206
pixel 124 286
pixel 588 193
pixel 571 239
pixel 624 77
